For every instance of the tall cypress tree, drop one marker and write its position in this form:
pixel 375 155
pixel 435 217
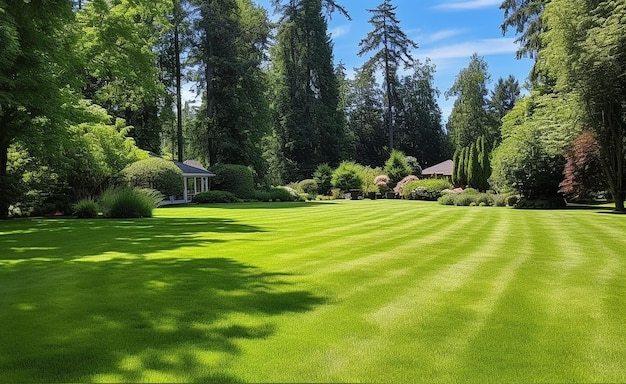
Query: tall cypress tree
pixel 309 125
pixel 391 48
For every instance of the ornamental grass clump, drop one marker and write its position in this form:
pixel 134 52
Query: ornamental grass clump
pixel 86 209
pixel 129 202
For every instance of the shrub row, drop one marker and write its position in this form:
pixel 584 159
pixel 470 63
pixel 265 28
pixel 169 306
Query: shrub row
pixel 215 197
pixel 427 189
pixel 471 197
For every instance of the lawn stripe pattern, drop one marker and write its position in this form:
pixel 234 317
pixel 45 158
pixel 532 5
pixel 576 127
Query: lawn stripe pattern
pixel 344 291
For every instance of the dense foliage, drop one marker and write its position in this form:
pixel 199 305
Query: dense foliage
pixel 347 177
pixel 233 178
pixel 155 173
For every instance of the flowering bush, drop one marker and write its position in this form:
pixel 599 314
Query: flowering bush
pixel 382 181
pixel 402 183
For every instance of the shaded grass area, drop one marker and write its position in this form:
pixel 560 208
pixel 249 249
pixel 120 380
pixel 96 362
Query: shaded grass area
pixel 355 291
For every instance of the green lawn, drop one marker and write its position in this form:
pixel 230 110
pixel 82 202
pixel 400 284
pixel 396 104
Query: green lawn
pixel 348 291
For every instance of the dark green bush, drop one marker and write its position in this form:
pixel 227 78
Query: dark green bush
pixel 155 173
pixel 323 176
pixel 209 197
pixel 512 200
pixel 427 189
pixel 86 209
pixel 546 203
pixel 129 202
pixel 308 186
pixel 236 179
pixel 263 196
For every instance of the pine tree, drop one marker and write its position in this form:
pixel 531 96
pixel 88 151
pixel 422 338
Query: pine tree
pixel 391 48
pixel 308 121
pixel 231 38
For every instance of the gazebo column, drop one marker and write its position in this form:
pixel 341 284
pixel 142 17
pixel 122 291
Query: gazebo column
pixel 185 190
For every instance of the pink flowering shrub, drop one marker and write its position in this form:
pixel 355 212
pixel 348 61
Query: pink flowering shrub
pixel 400 186
pixel 382 181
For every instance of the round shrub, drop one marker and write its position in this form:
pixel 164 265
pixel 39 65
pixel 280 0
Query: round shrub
pixel 283 194
pixel 308 186
pixel 86 209
pixel 346 176
pixel 512 200
pixel 236 179
pixel 209 197
pixel 155 173
pixel 129 202
pixel 447 199
pixel 499 200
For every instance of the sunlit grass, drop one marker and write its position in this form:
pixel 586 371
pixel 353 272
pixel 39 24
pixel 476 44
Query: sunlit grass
pixel 348 291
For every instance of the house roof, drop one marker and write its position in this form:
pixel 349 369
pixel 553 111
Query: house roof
pixel 445 168
pixel 193 170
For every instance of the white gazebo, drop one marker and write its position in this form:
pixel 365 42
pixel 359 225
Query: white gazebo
pixel 197 178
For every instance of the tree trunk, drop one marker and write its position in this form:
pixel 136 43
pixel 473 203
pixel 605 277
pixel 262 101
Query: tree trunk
pixel 179 103
pixel 4 181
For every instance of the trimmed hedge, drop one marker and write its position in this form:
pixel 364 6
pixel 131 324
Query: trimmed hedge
pixel 215 197
pixel 233 178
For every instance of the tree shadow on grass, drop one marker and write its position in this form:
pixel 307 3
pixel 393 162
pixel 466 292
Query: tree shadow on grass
pixel 273 205
pixel 68 239
pixel 143 320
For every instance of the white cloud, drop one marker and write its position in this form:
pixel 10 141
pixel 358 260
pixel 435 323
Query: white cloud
pixel 466 5
pixel 444 34
pixel 339 31
pixel 483 47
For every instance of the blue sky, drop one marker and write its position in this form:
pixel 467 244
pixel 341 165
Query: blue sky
pixel 446 31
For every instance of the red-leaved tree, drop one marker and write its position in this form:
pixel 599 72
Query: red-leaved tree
pixel 583 173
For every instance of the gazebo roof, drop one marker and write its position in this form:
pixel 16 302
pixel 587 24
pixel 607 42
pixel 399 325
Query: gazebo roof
pixel 196 169
pixel 445 168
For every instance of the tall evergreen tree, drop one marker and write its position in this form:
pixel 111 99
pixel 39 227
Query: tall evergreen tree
pixel 365 119
pixel 470 116
pixel 419 131
pixel 391 48
pixel 504 95
pixel 525 16
pixel 308 121
pixel 234 114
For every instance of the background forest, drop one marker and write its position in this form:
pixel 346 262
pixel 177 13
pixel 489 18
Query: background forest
pixel 89 87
